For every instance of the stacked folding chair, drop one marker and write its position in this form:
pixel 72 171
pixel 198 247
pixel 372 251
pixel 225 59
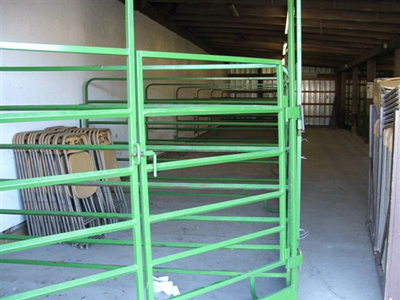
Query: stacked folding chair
pixel 33 163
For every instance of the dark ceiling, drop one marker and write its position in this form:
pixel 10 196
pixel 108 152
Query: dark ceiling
pixel 336 33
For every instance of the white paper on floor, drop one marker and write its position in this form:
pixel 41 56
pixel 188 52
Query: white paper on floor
pixel 162 285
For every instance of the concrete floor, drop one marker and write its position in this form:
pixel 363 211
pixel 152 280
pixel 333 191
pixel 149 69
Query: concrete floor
pixel 338 260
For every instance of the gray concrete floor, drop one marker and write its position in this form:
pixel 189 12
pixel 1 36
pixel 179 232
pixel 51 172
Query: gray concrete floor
pixel 338 260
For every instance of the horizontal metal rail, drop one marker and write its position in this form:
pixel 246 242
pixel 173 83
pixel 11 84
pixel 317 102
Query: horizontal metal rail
pixel 242 247
pixel 185 185
pixel 216 246
pixel 63 115
pixel 214 207
pixel 63 68
pixel 216 272
pixel 65 237
pixel 165 110
pixel 114 267
pixel 213 160
pixel 205 129
pixel 59 264
pixel 207 78
pixel 205 57
pixel 62 147
pixel 268 162
pixel 58 107
pixel 24 212
pixel 225 186
pixel 230 219
pixel 14 184
pixel 56 288
pixel 219 179
pixel 200 102
pixel 212 123
pixel 62 48
pixel 221 149
pixel 226 282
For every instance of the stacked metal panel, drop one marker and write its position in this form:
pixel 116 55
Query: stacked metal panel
pixel 391 103
pixel 382 120
pixel 33 163
pixel 392 274
pixel 383 86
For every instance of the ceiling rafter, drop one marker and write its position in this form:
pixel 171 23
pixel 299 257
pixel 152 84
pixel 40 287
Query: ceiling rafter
pixel 335 32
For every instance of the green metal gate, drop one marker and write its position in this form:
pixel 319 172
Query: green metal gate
pixel 137 112
pixel 281 224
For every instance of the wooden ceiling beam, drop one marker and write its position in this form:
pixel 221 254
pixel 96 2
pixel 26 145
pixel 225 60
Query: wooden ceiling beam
pixel 337 57
pixel 307 61
pixel 243 10
pixel 278 31
pixel 341 38
pixel 355 5
pixel 272 53
pixel 235 37
pixel 274 11
pixel 306 41
pixel 268 37
pixel 307 49
pixel 334 35
pixel 376 51
pixel 198 20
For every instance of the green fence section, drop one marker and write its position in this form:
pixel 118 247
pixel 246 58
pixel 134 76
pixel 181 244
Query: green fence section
pixel 214 120
pixel 36 113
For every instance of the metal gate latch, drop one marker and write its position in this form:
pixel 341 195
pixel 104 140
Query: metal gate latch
pixel 152 153
pixel 145 154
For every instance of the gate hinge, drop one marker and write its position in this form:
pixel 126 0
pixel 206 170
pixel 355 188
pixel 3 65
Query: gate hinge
pixel 294 262
pixel 293 113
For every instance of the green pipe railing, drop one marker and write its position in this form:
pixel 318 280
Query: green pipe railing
pixel 42 113
pixel 229 116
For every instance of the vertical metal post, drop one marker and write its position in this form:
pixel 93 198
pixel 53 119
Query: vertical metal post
pixel 298 133
pixel 282 163
pixel 132 141
pixel 144 189
pixel 293 229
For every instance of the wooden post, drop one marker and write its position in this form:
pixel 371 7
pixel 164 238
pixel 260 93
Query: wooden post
pixel 354 100
pixel 371 70
pixel 342 105
pixel 371 74
pixel 335 118
pixel 396 72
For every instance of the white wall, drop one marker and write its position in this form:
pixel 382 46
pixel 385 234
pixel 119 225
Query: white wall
pixel 85 22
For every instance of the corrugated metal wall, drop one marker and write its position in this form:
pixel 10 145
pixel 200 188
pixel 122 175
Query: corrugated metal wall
pixel 318 94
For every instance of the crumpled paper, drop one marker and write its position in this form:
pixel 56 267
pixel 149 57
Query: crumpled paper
pixel 163 285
